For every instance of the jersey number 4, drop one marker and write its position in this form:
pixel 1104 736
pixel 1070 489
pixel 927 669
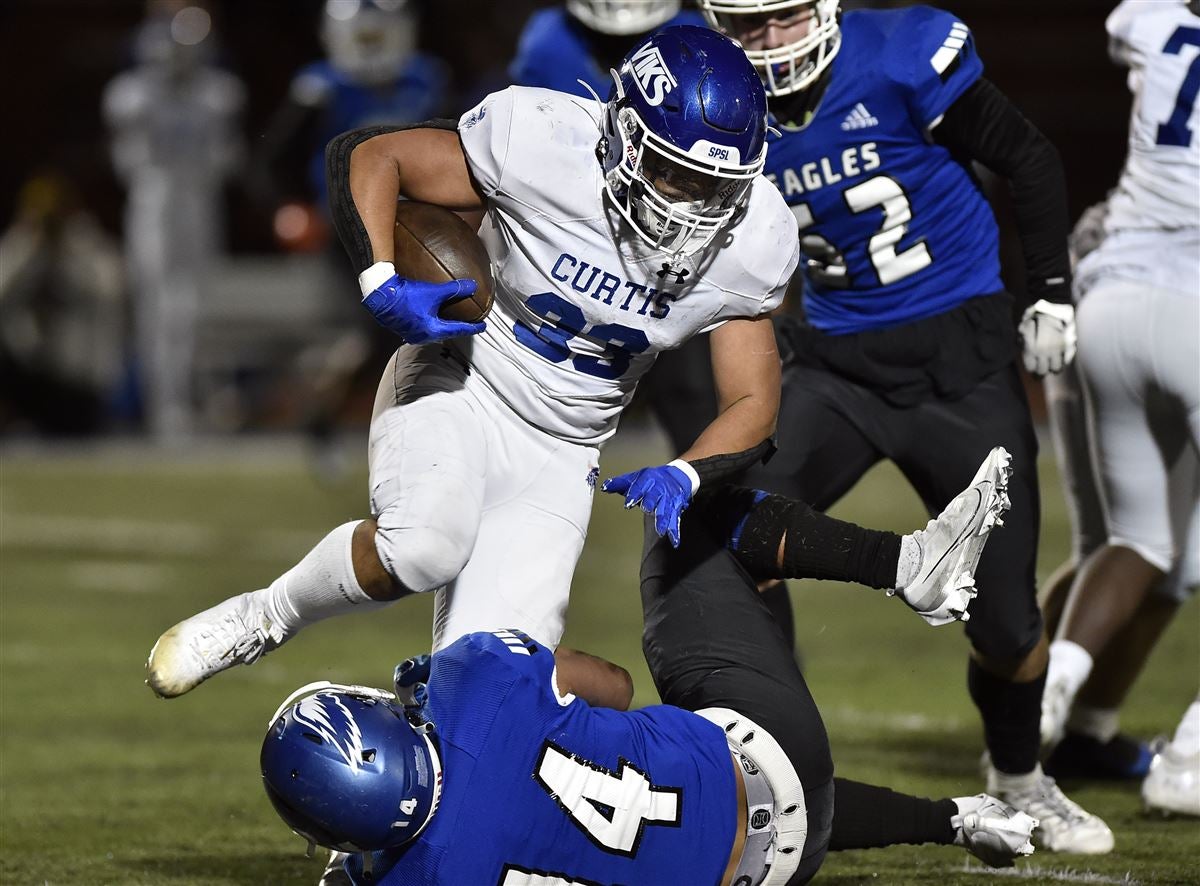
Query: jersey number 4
pixel 1175 131
pixel 611 808
pixel 827 264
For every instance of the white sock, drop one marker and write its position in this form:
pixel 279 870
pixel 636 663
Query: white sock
pixel 1187 734
pixel 320 585
pixel 1070 665
pixel 910 562
pixel 1005 782
pixel 1098 723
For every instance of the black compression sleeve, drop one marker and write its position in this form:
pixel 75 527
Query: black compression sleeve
pixel 752 524
pixel 985 126
pixel 346 220
pixel 727 465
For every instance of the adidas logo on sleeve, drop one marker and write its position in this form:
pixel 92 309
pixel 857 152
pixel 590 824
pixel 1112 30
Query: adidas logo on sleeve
pixel 859 118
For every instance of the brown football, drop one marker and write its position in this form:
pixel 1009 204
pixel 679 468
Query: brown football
pixel 435 244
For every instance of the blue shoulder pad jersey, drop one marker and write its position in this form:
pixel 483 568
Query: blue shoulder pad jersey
pixel 418 92
pixel 551 791
pixel 553 53
pixel 915 231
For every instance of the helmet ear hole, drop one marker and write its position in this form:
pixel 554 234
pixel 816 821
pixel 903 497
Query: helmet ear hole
pixel 368 755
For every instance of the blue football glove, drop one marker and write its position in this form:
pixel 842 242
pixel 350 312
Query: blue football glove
pixel 410 308
pixel 664 491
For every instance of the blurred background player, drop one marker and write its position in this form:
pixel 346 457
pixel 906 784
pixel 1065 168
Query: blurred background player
pixel 1139 311
pixel 581 41
pixel 585 39
pixel 62 313
pixel 175 143
pixel 373 75
pixel 907 348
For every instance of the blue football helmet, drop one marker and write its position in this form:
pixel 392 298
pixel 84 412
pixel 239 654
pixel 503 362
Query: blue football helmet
pixel 346 768
pixel 795 65
pixel 684 136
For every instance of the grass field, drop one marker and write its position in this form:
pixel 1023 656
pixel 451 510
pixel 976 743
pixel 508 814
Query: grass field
pixel 100 783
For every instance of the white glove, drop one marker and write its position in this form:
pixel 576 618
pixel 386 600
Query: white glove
pixel 1048 335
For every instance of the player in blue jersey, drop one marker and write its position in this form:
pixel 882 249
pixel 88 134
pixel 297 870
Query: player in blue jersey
pixel 907 348
pixel 584 39
pixel 373 74
pixel 510 767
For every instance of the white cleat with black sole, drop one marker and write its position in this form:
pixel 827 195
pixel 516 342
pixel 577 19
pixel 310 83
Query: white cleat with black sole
pixel 237 631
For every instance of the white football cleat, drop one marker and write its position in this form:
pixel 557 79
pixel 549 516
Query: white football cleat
pixel 1173 785
pixel 992 831
pixel 237 631
pixel 952 543
pixel 1063 825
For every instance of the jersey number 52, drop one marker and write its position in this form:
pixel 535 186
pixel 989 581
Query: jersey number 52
pixel 826 264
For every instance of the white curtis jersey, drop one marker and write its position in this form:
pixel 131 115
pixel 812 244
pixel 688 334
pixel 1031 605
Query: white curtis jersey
pixel 1160 185
pixel 582 305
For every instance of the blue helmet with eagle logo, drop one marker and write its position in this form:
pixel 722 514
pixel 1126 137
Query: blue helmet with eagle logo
pixel 349 768
pixel 684 136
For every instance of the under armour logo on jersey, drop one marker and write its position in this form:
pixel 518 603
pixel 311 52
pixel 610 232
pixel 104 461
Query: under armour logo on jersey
pixel 859 118
pixel 670 270
pixel 331 720
pixel 650 73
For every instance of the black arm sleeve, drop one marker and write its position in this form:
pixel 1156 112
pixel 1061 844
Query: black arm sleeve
pixel 727 465
pixel 346 220
pixel 985 126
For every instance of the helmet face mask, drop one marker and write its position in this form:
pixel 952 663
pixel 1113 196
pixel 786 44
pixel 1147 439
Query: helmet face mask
pixel 367 40
pixel 684 138
pixel 623 17
pixel 795 65
pixel 346 768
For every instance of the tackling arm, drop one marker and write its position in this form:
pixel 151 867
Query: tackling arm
pixel 599 682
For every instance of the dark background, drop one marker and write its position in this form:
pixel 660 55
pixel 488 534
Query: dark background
pixel 1048 56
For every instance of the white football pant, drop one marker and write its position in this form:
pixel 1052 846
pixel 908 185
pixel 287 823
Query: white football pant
pixel 1138 363
pixel 472 500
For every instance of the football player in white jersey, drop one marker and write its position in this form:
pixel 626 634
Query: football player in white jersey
pixel 616 230
pixel 1138 318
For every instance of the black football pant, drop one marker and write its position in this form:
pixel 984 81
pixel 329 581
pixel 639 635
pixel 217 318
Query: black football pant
pixel 831 431
pixel 711 642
